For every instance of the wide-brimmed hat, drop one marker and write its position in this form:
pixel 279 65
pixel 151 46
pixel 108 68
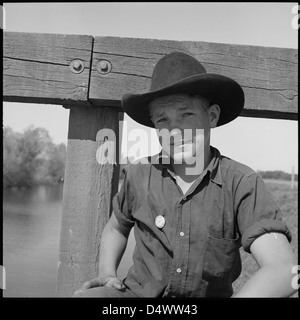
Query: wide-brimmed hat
pixel 178 73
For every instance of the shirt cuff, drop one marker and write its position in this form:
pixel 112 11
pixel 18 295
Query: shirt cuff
pixel 261 227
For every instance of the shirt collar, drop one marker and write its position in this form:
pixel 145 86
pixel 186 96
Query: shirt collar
pixel 213 168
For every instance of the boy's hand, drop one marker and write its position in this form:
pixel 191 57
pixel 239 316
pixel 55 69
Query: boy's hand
pixel 102 281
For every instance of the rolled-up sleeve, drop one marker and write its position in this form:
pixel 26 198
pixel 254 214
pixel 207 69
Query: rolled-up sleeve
pixel 123 202
pixel 257 211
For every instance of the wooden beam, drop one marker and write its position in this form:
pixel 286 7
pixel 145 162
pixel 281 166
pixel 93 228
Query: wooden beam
pixel 37 70
pixel 269 76
pixel 88 190
pixel 36 67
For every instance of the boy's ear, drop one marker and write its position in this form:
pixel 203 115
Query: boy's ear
pixel 214 115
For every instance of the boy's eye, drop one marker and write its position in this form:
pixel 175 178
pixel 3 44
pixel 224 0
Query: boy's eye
pixel 186 114
pixel 161 120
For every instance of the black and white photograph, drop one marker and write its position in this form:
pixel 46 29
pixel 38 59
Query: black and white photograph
pixel 150 150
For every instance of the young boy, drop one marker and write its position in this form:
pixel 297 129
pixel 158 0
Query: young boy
pixel 190 207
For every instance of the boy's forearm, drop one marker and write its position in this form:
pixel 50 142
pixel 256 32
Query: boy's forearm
pixel 269 281
pixel 112 247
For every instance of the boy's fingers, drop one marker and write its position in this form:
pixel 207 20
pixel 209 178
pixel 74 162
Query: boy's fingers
pixel 98 282
pixel 86 285
pixel 115 283
pixel 119 285
pixel 91 284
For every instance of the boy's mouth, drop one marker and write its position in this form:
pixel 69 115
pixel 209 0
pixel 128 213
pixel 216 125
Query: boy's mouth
pixel 181 143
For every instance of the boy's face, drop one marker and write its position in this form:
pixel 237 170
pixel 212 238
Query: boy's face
pixel 188 122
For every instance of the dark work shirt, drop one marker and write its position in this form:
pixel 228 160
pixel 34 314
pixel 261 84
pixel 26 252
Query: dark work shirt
pixel 196 253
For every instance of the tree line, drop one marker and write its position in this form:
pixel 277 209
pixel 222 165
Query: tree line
pixel 277 174
pixel 31 158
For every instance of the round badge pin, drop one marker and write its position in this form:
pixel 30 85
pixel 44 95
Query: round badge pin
pixel 160 221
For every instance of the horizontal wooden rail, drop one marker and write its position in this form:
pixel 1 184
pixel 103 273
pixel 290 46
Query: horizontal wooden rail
pixel 37 69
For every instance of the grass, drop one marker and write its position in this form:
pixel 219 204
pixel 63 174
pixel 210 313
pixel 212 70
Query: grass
pixel 286 198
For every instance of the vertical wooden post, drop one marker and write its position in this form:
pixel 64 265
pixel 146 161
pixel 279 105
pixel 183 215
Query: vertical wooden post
pixel 293 178
pixel 88 191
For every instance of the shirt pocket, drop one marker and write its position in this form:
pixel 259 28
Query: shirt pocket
pixel 221 257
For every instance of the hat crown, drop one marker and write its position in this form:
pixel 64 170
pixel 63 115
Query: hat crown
pixel 173 68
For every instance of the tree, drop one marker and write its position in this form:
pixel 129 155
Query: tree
pixel 12 159
pixel 56 166
pixel 35 143
pixel 31 158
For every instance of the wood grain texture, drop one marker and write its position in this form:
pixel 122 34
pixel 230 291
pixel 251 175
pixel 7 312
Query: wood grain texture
pixel 269 76
pixel 87 202
pixel 36 67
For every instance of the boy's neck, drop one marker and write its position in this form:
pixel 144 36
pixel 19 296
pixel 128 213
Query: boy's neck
pixel 181 170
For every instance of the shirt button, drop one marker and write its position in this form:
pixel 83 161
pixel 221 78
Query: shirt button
pixel 184 198
pixel 181 234
pixel 178 270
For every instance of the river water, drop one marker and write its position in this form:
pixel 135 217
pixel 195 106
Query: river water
pixel 31 232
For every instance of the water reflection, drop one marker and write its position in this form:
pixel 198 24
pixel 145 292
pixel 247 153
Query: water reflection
pixel 31 227
pixel 31 232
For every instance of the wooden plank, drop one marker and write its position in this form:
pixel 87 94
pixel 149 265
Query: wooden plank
pixel 269 76
pixel 36 70
pixel 88 190
pixel 36 67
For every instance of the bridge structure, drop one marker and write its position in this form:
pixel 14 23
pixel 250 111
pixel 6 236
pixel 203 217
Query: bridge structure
pixel 89 75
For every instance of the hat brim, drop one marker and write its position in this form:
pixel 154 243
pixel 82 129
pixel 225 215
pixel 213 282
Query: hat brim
pixel 219 89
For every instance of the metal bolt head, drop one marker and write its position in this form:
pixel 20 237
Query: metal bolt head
pixel 103 67
pixel 77 66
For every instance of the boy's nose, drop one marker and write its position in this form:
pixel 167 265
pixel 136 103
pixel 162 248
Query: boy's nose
pixel 176 134
pixel 175 125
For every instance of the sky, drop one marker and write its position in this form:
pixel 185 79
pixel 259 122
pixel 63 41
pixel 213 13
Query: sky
pixel 262 144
